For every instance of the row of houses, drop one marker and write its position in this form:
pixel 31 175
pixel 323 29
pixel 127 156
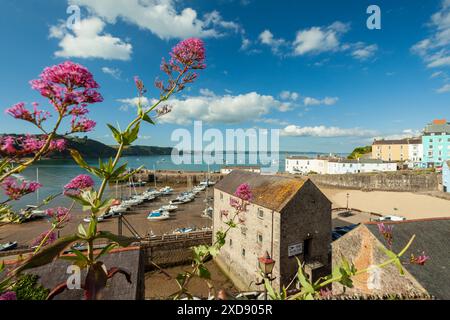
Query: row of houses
pixel 290 218
pixel 326 165
pixel 432 149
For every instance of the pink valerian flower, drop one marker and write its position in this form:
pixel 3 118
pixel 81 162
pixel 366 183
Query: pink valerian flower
pixel 325 293
pixel 8 145
pixel 140 86
pixel 59 215
pixel 386 232
pixel 67 84
pixel 419 260
pixel 189 52
pixel 9 295
pixel 78 184
pixel 49 239
pixel 79 110
pixel 19 111
pixel 161 111
pixel 243 192
pixel 33 144
pixel 15 191
pixel 82 124
pixel 186 56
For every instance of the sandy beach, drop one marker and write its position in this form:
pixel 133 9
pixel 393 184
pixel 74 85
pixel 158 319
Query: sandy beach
pixel 407 204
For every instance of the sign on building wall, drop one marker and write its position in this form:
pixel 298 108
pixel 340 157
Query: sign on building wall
pixel 295 249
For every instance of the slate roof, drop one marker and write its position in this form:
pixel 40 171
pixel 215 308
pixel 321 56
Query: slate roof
pixel 271 192
pixel 437 127
pixel 398 141
pixel 433 238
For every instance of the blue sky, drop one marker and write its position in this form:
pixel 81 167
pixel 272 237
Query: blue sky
pixel 309 68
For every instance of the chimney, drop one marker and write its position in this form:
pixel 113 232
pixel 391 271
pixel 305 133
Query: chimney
pixel 440 121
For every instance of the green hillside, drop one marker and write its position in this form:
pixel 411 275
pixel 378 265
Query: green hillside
pixel 359 152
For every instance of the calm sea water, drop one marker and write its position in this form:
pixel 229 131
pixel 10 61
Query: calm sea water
pixel 54 174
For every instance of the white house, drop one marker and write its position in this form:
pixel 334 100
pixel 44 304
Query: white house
pixel 415 153
pixel 304 165
pixel 301 165
pixel 228 169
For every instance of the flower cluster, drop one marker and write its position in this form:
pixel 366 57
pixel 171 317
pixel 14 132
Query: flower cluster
pixel 78 184
pixel 419 260
pixel 59 215
pixel 9 295
pixel 15 190
pixel 386 232
pixel 186 56
pixel 27 145
pixel 82 124
pixel 140 86
pixel 243 192
pixel 67 84
pixel 49 238
pixel 36 116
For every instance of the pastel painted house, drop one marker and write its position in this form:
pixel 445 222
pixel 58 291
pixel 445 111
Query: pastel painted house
pixel 436 143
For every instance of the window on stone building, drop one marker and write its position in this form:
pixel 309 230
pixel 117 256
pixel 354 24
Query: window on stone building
pixel 221 196
pixel 231 242
pixel 260 213
pixel 243 252
pixel 259 238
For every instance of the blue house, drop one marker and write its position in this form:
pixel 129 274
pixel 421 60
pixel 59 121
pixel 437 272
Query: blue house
pixel 446 176
pixel 436 143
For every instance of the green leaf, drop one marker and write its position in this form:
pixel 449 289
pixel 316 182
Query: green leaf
pixel 78 158
pixel 203 272
pixel 116 133
pixel 395 258
pixel 82 232
pixel 147 118
pixel 106 249
pixel 307 287
pixel 131 134
pixel 47 255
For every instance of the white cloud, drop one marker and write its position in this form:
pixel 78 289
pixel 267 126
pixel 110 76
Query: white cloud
pixel 221 109
pixel 445 88
pixel 132 103
pixel 207 93
pixel 288 95
pixel 325 132
pixel 273 121
pixel 89 41
pixel 436 74
pixel 319 39
pixel 113 72
pixel 161 17
pixel 267 38
pixel 363 52
pixel 328 101
pixel 434 50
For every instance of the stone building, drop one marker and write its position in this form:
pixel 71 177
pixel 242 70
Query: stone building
pixel 363 247
pixel 287 217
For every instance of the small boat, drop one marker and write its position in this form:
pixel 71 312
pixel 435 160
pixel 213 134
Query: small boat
pixel 166 191
pixel 136 184
pixel 158 215
pixel 118 209
pixel 8 246
pixel 183 230
pixel 88 219
pixel 208 212
pixel 176 202
pixel 169 208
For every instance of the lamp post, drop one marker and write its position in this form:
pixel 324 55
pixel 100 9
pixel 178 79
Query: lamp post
pixel 266 264
pixel 348 195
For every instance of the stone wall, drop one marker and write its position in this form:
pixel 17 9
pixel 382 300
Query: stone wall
pixel 399 181
pixel 176 177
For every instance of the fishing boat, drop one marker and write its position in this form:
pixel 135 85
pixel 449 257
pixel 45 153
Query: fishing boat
pixel 158 215
pixel 8 246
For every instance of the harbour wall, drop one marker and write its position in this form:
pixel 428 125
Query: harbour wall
pixel 176 177
pixel 404 181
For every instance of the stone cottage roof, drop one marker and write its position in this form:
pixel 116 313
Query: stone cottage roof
pixel 399 141
pixel 272 192
pixel 438 126
pixel 433 238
